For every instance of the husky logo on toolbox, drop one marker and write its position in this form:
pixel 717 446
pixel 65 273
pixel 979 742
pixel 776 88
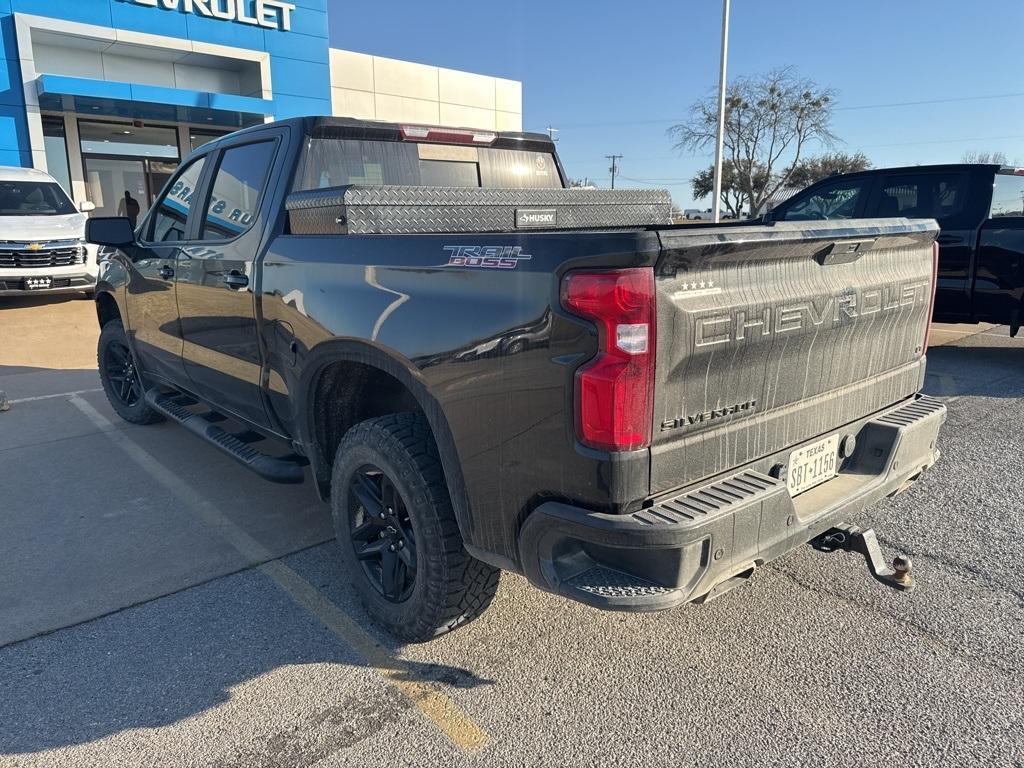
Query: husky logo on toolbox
pixel 486 256
pixel 535 217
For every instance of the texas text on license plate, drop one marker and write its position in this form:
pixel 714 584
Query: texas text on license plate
pixel 813 464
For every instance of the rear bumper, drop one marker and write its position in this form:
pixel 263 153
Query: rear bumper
pixel 697 544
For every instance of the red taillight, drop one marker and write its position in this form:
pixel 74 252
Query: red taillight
pixel 447 135
pixel 931 302
pixel 615 390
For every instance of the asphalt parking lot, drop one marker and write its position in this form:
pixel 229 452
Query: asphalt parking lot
pixel 159 606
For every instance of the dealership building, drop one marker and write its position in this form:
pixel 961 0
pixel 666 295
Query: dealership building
pixel 109 95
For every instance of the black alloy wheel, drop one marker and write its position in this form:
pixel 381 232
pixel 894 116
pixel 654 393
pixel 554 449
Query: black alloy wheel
pixel 119 368
pixel 382 534
pixel 122 381
pixel 397 534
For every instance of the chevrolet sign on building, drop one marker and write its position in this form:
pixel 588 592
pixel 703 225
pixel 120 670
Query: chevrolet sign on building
pixel 108 96
pixel 272 14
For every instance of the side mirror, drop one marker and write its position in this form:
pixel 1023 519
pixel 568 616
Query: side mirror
pixel 113 231
pixel 86 206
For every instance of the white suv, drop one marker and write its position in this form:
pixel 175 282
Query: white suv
pixel 42 245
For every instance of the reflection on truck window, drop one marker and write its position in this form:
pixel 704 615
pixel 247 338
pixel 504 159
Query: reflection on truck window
pixel 1007 196
pixel 235 195
pixel 33 198
pixel 340 162
pixel 834 201
pixel 449 173
pixel 921 196
pixel 172 210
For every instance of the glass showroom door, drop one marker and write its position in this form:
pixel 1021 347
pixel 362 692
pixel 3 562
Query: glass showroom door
pixel 114 183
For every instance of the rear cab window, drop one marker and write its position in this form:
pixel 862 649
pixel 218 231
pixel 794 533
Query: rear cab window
pixel 1007 196
pixel 335 162
pixel 921 196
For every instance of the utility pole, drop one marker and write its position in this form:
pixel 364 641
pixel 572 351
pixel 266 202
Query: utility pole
pixel 615 167
pixel 716 204
pixel 551 133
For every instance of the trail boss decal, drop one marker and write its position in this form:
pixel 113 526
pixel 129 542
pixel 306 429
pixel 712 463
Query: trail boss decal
pixel 486 256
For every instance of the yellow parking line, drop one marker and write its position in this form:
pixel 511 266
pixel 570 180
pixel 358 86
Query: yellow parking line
pixel 429 698
pixel 455 724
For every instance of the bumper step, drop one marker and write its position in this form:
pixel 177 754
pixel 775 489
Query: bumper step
pixel 289 469
pixel 698 543
pixel 611 584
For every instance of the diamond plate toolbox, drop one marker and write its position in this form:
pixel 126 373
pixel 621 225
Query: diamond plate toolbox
pixel 422 210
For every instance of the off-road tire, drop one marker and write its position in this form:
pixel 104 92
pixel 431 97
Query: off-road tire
pixel 137 412
pixel 451 587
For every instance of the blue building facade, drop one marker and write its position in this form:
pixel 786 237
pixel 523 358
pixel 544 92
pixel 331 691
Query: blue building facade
pixel 109 95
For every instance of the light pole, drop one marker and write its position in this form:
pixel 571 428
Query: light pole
pixel 716 204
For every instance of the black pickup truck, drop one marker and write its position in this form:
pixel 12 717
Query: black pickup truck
pixel 980 210
pixel 483 370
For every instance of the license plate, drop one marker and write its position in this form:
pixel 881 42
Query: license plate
pixel 813 465
pixel 37 283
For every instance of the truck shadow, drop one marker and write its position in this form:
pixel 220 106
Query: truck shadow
pixel 974 370
pixel 239 638
pixel 24 302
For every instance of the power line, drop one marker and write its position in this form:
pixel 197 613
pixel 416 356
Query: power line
pixel 614 168
pixel 852 107
pixel 931 101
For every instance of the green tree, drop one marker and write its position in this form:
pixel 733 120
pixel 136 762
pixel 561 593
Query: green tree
pixel 770 121
pixel 733 196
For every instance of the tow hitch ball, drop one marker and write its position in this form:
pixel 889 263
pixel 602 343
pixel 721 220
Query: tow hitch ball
pixel 853 539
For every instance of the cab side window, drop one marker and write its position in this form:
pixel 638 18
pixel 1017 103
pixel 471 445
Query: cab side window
pixel 236 190
pixel 1007 196
pixel 171 215
pixel 922 196
pixel 831 201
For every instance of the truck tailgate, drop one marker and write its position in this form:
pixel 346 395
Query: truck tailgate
pixel 770 335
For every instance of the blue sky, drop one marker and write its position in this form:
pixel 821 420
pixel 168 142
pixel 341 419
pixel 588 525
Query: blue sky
pixel 612 76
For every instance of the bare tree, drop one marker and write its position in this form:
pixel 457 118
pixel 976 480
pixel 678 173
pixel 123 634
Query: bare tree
pixel 769 122
pixel 985 158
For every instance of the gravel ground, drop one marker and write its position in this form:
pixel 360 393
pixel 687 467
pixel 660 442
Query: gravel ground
pixel 210 625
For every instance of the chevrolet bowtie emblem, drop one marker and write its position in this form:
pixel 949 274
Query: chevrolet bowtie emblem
pixel 35 247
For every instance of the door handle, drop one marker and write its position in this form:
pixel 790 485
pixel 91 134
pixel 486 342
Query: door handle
pixel 166 272
pixel 235 279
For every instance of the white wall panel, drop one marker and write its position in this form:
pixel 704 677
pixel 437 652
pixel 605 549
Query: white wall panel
pixel 398 109
pixel 465 88
pixel 70 62
pixel 351 103
pixel 375 87
pixel 404 78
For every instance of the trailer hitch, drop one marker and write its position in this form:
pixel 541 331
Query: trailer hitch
pixel 850 538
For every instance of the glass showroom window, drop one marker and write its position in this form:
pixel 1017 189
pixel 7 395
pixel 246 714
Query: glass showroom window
pixel 56 147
